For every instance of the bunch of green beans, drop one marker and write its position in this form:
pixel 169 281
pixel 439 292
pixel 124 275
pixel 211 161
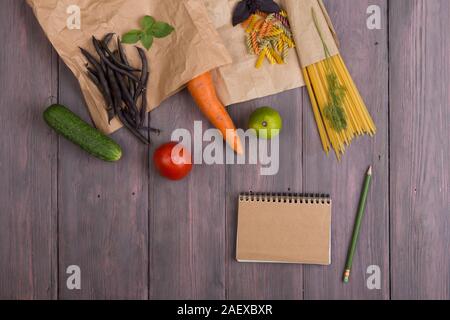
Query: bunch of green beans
pixel 121 85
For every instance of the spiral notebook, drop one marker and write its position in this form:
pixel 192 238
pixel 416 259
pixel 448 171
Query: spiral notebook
pixel 284 228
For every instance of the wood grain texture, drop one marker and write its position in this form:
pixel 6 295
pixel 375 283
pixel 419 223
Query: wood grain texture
pixel 187 218
pixel 365 52
pixel 103 213
pixel 420 150
pixel 138 236
pixel 27 158
pixel 265 281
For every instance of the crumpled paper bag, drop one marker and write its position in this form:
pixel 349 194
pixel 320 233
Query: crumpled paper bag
pixel 241 81
pixel 192 49
pixel 309 46
pixel 204 40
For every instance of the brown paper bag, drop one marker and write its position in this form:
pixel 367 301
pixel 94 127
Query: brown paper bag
pixel 308 43
pixel 194 48
pixel 241 81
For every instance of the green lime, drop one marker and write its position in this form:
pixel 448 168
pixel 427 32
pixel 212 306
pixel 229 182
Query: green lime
pixel 267 122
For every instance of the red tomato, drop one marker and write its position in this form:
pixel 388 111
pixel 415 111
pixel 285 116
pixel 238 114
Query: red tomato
pixel 173 161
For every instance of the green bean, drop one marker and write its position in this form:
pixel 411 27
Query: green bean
pixel 100 75
pixel 116 61
pixel 124 59
pixel 107 39
pixel 144 72
pixel 131 129
pixel 127 97
pixel 103 58
pixel 117 96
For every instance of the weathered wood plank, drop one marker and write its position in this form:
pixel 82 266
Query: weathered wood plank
pixel 103 213
pixel 192 239
pixel 265 281
pixel 365 52
pixel 420 150
pixel 28 152
pixel 187 218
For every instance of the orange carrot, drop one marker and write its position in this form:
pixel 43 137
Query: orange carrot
pixel 204 93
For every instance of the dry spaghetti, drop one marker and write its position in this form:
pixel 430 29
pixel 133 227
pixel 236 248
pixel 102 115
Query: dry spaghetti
pixel 339 110
pixel 269 37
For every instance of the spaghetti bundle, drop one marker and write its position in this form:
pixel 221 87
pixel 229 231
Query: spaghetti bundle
pixel 358 120
pixel 269 37
pixel 339 110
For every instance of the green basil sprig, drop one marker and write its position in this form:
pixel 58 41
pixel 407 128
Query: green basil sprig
pixel 150 29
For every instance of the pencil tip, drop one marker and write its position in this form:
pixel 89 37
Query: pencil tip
pixel 347 276
pixel 370 171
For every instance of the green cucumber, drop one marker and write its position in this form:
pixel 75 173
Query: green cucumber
pixel 73 128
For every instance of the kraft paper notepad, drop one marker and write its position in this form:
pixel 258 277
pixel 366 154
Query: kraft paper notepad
pixel 287 228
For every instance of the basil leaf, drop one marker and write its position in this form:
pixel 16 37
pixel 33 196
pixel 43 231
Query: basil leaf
pixel 147 22
pixel 132 36
pixel 161 29
pixel 268 6
pixel 241 13
pixel 147 40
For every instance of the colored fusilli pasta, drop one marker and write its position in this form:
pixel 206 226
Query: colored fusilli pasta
pixel 269 37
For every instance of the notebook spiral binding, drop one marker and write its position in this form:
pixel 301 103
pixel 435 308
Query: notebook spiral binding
pixel 307 198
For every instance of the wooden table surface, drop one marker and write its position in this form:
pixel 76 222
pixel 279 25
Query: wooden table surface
pixel 137 236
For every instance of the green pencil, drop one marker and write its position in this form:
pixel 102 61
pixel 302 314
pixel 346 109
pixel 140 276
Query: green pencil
pixel 357 228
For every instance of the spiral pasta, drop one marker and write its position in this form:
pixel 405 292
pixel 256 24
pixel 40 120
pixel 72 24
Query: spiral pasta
pixel 269 37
